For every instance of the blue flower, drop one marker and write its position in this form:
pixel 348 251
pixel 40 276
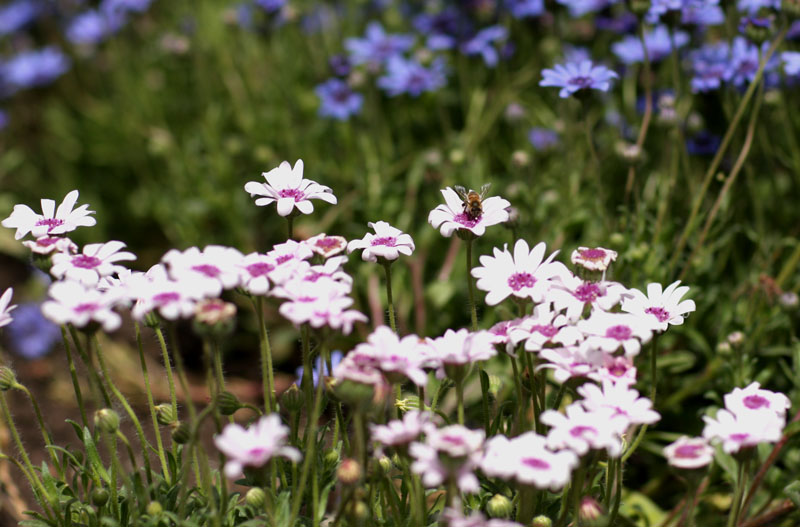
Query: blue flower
pixel 576 54
pixel 753 6
pixel 791 62
pixel 340 65
pixel 525 8
pixel 543 138
pixel 34 68
pixel 578 8
pixel 624 23
pixel 30 334
pixel 377 46
pixel 90 27
pixel 743 62
pixel 319 364
pixel 629 50
pixel 271 6
pixel 573 77
pixel 702 13
pixel 411 77
pixel 17 15
pixel 709 66
pixel 444 29
pixel 703 144
pixel 483 44
pixel 337 100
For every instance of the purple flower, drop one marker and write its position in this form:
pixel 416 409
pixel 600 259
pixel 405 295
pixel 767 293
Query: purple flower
pixel 320 365
pixel 791 62
pixel 340 65
pixel 411 77
pixel 543 138
pixel 659 46
pixel 377 46
pixel 483 44
pixel 337 100
pixel 578 8
pixel 270 6
pixel 624 23
pixel 525 8
pixel 90 27
pixel 116 11
pixel 30 334
pixel 17 15
pixel 703 144
pixel 753 6
pixel 444 29
pixel 709 66
pixel 702 13
pixel 743 62
pixel 34 68
pixel 573 77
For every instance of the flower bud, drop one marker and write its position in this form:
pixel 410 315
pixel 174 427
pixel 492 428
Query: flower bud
pixel 736 338
pixel 385 463
pixel 520 158
pixel 542 521
pixel 330 459
pixel 99 497
pixel 228 403
pixel 724 348
pixel 164 414
pixel 106 420
pixel 7 379
pixel 789 300
pixel 154 508
pixel 255 497
pixel 499 506
pixel 628 152
pixel 152 321
pixel 457 156
pixel 181 433
pixel 214 317
pixel 589 512
pixel 357 512
pixel 757 28
pixel 349 472
pixel 293 399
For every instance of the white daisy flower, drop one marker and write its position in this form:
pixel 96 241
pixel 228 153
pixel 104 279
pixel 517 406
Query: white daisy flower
pixel 754 399
pixel 211 270
pixel 5 308
pixel 326 246
pixel 593 259
pixel 742 431
pixel 451 217
pixel 580 430
pixel 689 452
pixel 254 446
pixel 387 244
pixel 73 303
pixel 527 460
pixel 610 331
pixel 660 308
pixel 620 400
pixel 51 221
pixel 286 187
pixel 96 261
pixel 51 244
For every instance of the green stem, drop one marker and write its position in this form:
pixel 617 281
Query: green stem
pixel 460 400
pixel 308 367
pixel 168 367
pixel 471 286
pixel 612 518
pixel 151 404
pixel 266 356
pixel 648 112
pixel 518 418
pixel 733 517
pixel 387 266
pixel 290 225
pixel 181 370
pixel 74 375
pixel 98 390
pixel 91 342
pixel 111 444
pixel 45 434
pixel 723 147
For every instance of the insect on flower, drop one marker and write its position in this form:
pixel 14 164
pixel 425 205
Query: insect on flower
pixel 473 201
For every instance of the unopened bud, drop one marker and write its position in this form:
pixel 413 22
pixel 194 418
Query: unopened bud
pixel 255 497
pixel 639 7
pixel 349 471
pixel 628 152
pixel 457 156
pixel 165 415
pixel 99 497
pixel 152 321
pixel 214 317
pixel 542 521
pixel 357 511
pixel 736 338
pixel 154 508
pixel 789 300
pixel 181 434
pixel 724 348
pixel 385 463
pixel 293 399
pixel 590 511
pixel 330 459
pixel 7 378
pixel 520 159
pixel 106 420
pixel 499 506
pixel 228 403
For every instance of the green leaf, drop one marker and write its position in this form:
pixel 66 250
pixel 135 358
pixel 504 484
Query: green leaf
pixel 94 456
pixel 792 491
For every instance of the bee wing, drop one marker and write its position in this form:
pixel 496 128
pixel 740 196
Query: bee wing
pixel 461 191
pixel 485 189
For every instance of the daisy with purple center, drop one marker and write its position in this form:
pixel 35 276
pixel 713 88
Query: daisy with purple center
pixel 387 244
pixel 616 370
pixel 51 244
pixel 396 358
pixel 94 262
pixel 581 430
pixel 5 308
pixel 545 328
pixel 620 400
pixel 73 303
pixel 213 269
pixel 574 295
pixel 660 308
pixel 754 399
pixel 254 270
pixel 326 246
pixel 402 432
pixel 51 221
pixel 742 431
pixel 451 216
pixel 501 334
pixel 574 77
pixel 172 299
pixel 320 303
pixel 610 331
pixel 689 453
pixel 525 274
pixel 569 362
pixel 454 517
pixel 286 187
pixel 449 454
pixel 527 460
pixel 289 258
pixel 460 348
pixel 594 258
pixel 254 446
pixel 332 268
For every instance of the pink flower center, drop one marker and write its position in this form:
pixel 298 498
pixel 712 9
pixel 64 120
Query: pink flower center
pixel 501 330
pixel 388 241
pixel 618 370
pixel 83 308
pixel 453 440
pixel 50 222
pixel 256 452
pixel 297 194
pixel 688 451
pixel 165 298
pixel 210 271
pixel 519 280
pixel 659 312
pixel 313 276
pixel 754 402
pixel 86 262
pixel 212 306
pixel 548 331
pixel 47 242
pixel 283 258
pixel 740 437
pixel 465 220
pixel 587 292
pixel 620 332
pixel 581 431
pixel 306 299
pixel 535 463
pixel 593 254
pixel 328 243
pixel 259 269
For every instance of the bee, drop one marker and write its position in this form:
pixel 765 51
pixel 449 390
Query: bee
pixel 473 206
